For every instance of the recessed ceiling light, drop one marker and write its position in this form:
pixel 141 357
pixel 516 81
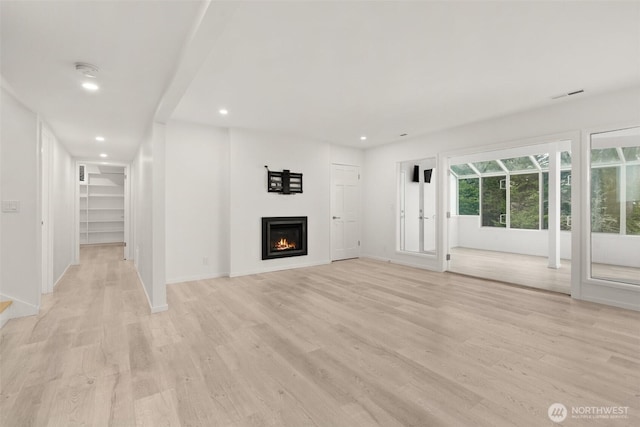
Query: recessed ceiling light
pixel 103 155
pixel 363 138
pixel 223 111
pixel 90 86
pixel 100 138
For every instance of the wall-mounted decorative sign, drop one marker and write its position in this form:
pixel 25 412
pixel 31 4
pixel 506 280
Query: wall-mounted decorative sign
pixel 285 182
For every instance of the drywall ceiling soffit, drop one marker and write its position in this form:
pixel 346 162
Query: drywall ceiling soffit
pixel 135 44
pixel 337 70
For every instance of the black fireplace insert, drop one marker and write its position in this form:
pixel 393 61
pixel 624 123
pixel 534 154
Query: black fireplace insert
pixel 284 236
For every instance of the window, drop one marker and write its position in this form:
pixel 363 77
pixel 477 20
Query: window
pixel 565 200
pixel 527 190
pixel 468 196
pixel 633 198
pixel 487 167
pixel 525 201
pixel 518 164
pixel 494 201
pixel 605 200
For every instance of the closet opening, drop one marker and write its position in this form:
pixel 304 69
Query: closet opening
pixel 103 205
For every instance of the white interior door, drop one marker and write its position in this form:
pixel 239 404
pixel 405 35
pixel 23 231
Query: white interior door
pixel 345 212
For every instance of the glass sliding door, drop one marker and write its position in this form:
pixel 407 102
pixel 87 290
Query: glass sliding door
pixel 615 205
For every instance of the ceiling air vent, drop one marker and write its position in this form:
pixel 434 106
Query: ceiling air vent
pixel 575 92
pixel 86 69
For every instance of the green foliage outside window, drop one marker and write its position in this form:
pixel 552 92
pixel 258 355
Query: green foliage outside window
pixel 633 199
pixel 469 196
pixel 494 201
pixel 565 200
pixel 525 201
pixel 605 200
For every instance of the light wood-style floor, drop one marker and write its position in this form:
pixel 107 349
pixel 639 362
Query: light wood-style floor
pixel 523 270
pixel 354 343
pixel 530 270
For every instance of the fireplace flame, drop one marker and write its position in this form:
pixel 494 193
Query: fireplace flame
pixel 283 244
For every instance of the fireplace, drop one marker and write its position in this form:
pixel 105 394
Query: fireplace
pixel 284 236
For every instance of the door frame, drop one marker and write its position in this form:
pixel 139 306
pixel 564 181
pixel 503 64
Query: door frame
pixel 515 147
pixel 331 207
pixel 46 209
pixel 127 206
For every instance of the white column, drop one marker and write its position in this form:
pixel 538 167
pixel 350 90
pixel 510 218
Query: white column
pixel 554 207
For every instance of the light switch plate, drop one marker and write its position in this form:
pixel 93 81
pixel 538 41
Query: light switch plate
pixel 10 206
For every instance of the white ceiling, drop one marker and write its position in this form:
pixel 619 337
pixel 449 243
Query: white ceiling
pixel 338 70
pixel 136 45
pixel 327 70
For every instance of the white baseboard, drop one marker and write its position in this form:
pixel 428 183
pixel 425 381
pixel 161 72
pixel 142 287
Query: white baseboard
pixel 279 268
pixel 17 309
pixel 153 308
pixel 196 277
pixel 401 262
pixel 61 276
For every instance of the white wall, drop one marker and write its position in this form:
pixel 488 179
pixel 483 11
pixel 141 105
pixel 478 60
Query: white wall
pixel 197 202
pixel 62 200
pixel 20 244
pixel 346 156
pixel 607 248
pixel 214 202
pixel 249 200
pixel 148 204
pixel 526 242
pixel 615 249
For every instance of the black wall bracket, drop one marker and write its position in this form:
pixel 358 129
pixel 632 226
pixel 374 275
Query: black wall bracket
pixel 285 182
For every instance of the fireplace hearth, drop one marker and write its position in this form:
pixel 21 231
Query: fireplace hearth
pixel 284 236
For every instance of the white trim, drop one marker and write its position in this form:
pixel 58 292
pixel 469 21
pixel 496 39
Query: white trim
pixel 510 149
pixel 62 275
pixel 195 277
pixel 18 308
pixel 278 268
pixel 401 262
pixel 424 255
pixel 46 140
pixel 153 309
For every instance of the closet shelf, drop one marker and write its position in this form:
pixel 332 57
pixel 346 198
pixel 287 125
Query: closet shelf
pixel 102 205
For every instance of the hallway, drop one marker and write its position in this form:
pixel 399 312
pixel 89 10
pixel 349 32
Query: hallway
pixel 71 363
